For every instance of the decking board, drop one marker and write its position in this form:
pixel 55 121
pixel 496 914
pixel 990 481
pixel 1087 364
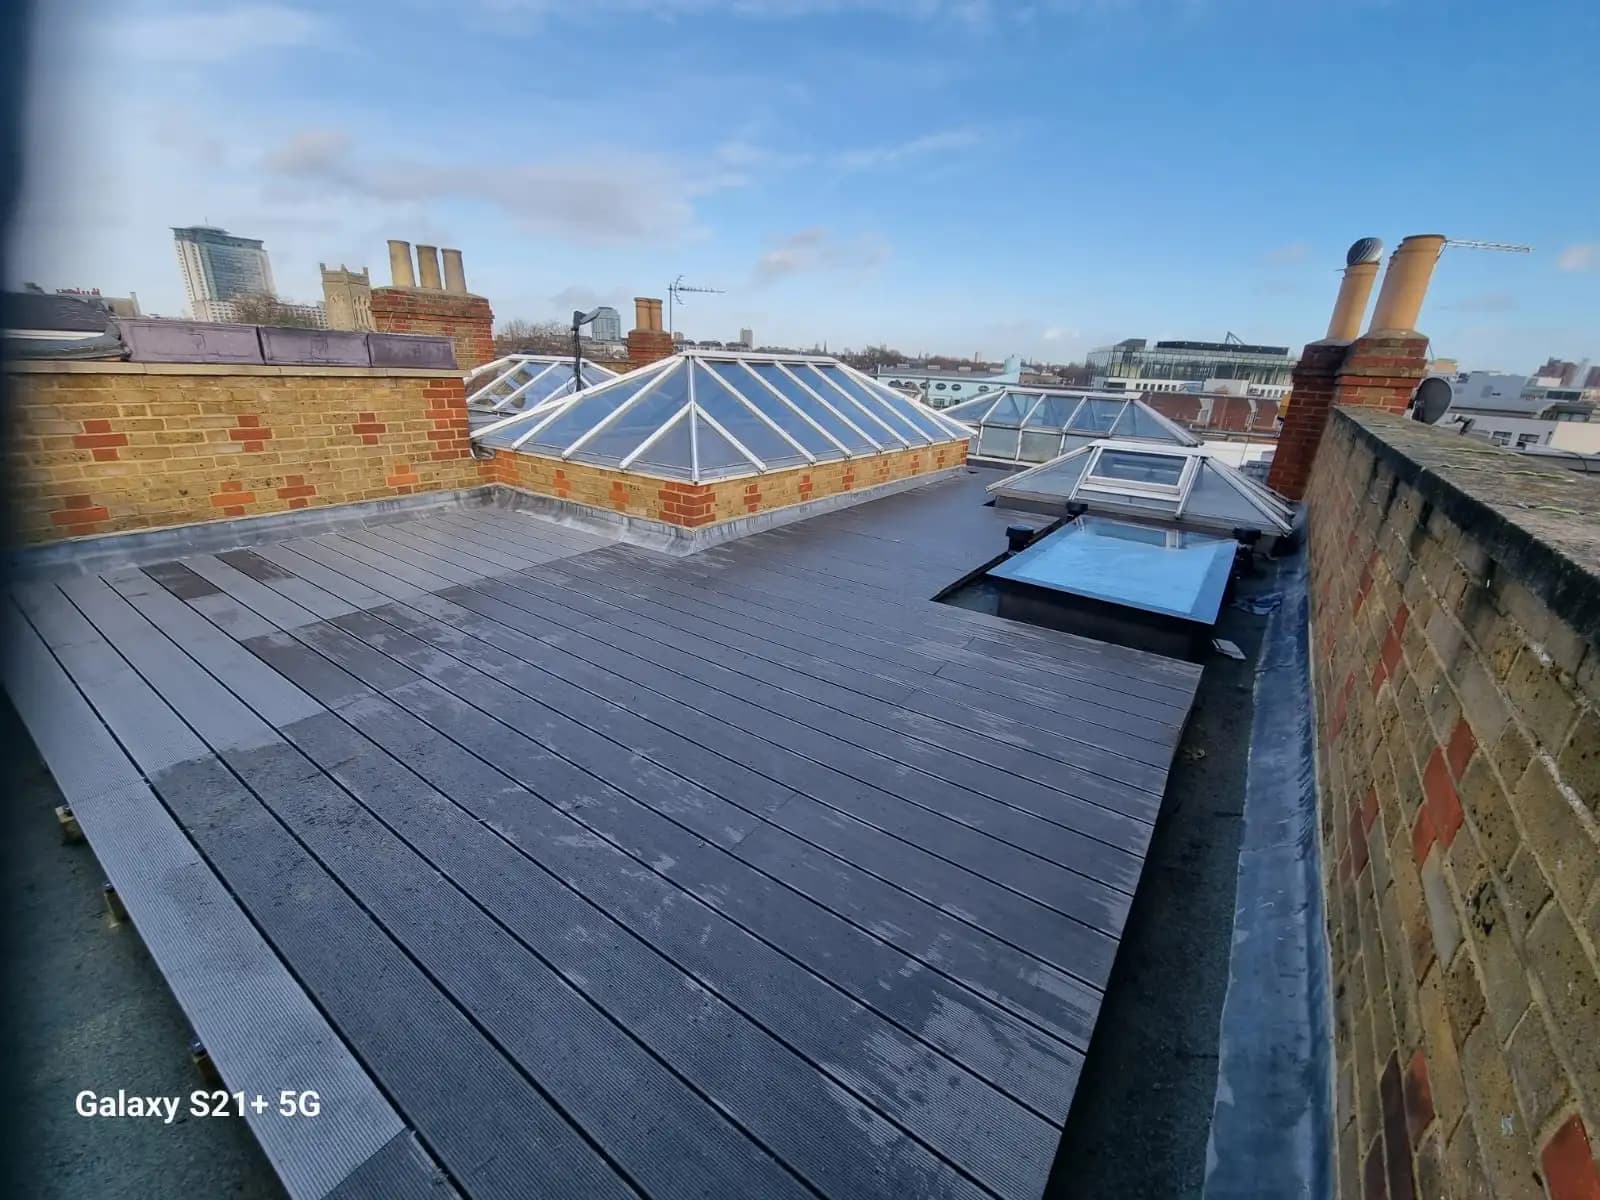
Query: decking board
pixel 753 872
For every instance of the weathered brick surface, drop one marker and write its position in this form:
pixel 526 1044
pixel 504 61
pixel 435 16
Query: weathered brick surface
pixel 693 505
pixel 1457 719
pixel 106 447
pixel 466 320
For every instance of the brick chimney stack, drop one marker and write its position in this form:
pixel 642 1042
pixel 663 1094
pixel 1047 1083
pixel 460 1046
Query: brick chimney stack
pixel 437 307
pixel 1380 369
pixel 648 342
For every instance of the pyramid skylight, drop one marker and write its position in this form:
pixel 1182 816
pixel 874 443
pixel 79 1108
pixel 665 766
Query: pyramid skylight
pixel 522 382
pixel 707 415
pixel 1179 485
pixel 1034 425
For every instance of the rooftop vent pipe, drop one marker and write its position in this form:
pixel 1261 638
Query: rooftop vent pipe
pixel 400 264
pixel 1360 272
pixel 1405 284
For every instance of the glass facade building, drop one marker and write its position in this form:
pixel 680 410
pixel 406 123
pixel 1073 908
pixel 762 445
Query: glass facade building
pixel 218 266
pixel 1121 366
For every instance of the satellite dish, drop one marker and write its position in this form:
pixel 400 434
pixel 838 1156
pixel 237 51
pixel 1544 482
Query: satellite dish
pixel 1363 250
pixel 1432 398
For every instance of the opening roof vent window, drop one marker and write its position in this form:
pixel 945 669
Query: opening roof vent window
pixel 708 415
pixel 1178 485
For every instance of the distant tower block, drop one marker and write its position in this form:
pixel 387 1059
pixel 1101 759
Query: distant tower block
pixel 347 298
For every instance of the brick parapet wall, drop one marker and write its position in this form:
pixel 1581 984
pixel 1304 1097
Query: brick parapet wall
pixel 1371 372
pixel 694 505
pixel 467 320
pixel 1456 638
pixel 106 447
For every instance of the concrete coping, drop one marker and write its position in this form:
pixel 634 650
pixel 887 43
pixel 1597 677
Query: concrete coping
pixel 112 367
pixel 1538 524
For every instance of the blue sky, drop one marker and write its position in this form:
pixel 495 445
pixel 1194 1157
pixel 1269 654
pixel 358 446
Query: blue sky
pixel 964 176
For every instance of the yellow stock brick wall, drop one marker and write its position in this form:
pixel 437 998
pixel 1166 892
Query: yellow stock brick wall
pixel 1456 632
pixel 694 505
pixel 99 447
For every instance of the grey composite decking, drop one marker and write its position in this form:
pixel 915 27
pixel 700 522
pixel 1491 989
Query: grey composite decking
pixel 598 872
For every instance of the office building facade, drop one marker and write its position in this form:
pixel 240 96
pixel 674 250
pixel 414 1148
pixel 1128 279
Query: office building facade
pixel 1235 368
pixel 217 266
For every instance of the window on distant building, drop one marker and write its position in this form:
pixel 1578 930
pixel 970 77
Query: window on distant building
pixel 1527 439
pixel 1500 438
pixel 938 387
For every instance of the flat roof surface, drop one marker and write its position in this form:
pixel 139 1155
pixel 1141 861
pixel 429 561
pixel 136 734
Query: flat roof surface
pixel 1172 572
pixel 575 869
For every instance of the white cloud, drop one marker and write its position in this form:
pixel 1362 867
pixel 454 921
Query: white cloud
pixel 819 249
pixel 213 34
pixel 1581 256
pixel 875 157
pixel 599 197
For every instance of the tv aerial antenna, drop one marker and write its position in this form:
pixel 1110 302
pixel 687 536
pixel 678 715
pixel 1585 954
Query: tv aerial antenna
pixel 675 293
pixel 1470 244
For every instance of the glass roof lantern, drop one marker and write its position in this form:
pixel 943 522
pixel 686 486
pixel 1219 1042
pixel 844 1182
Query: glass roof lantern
pixel 708 415
pixel 520 382
pixel 1035 425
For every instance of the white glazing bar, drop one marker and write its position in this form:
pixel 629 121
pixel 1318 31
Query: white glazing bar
pixel 766 420
pixel 627 405
pixel 801 384
pixel 702 415
pixel 865 411
pixel 940 420
pixel 796 410
pixel 530 414
pixel 500 404
pixel 632 455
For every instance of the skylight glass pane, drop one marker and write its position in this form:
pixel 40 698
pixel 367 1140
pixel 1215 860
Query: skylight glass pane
pixel 1133 467
pixel 997 441
pixel 1013 406
pixel 893 410
pixel 1214 498
pixel 884 427
pixel 719 459
pixel 631 427
pixel 970 411
pixel 921 416
pixel 817 412
pixel 1057 480
pixel 755 434
pixel 670 454
pixel 1039 447
pixel 1098 416
pixel 781 414
pixel 1053 412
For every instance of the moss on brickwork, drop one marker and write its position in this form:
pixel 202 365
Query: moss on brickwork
pixel 117 448
pixel 1456 697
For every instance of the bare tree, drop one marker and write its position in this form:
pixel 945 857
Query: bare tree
pixel 533 337
pixel 263 308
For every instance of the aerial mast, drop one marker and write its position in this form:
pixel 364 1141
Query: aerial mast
pixel 675 291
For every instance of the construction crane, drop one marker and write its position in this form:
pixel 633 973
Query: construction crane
pixel 676 289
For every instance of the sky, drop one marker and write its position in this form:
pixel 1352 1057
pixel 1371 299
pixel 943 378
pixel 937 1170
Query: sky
pixel 985 177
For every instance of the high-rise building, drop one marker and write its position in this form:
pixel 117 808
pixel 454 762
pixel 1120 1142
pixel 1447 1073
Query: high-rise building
pixel 747 338
pixel 607 325
pixel 218 267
